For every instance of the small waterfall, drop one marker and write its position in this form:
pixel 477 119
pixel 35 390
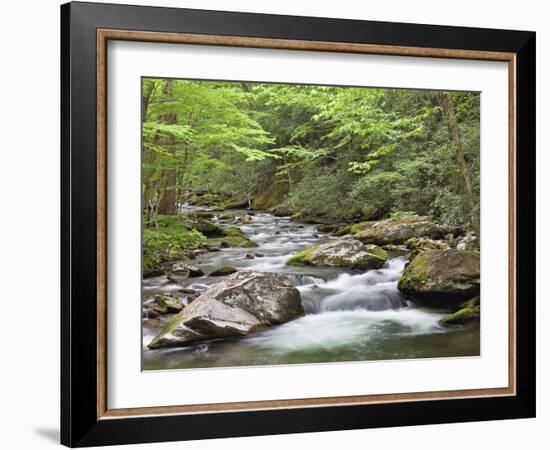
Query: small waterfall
pixel 374 290
pixel 376 298
pixel 305 280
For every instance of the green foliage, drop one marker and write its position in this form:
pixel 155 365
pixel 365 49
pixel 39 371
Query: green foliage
pixel 336 153
pixel 171 239
pixel 399 214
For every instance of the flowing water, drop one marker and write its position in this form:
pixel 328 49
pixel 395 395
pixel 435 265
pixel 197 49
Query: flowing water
pixel 350 315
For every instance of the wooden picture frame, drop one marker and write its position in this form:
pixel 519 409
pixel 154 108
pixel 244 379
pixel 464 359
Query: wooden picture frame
pixel 86 418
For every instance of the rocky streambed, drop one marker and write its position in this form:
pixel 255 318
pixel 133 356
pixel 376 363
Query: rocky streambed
pixel 288 292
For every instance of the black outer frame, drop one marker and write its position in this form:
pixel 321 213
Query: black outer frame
pixel 79 423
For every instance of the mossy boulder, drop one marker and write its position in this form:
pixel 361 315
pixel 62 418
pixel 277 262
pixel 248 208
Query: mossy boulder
pixel 223 271
pixel 303 258
pixel 202 223
pixel 377 256
pixel 165 304
pixel 396 230
pixel 470 303
pixel 232 241
pixel 207 227
pixel 231 237
pixel 343 252
pixel 462 317
pixel 233 231
pixel 239 305
pixel 358 227
pixel 351 229
pixel 419 244
pixel 442 277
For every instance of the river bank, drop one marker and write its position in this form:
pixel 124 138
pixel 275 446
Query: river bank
pixel 349 314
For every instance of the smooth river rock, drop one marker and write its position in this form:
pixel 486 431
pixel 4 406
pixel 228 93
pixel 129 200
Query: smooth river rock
pixel 180 271
pixel 397 230
pixel 440 277
pixel 239 305
pixel 343 252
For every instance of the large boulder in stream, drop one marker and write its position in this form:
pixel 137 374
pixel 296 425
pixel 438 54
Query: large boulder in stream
pixel 239 305
pixel 344 252
pixel 396 230
pixel 201 224
pixel 441 277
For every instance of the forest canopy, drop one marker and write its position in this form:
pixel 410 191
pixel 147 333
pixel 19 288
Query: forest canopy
pixel 321 153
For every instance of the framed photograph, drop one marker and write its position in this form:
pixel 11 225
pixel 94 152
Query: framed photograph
pixel 277 224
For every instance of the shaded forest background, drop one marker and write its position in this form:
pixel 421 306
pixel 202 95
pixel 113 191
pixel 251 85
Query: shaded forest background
pixel 321 153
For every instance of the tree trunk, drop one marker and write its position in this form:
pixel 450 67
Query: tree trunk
pixel 168 202
pixel 149 195
pixel 447 108
pixel 147 92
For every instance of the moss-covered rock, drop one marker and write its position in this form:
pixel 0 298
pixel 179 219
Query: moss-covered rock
pixel 232 241
pixel 231 237
pixel 419 244
pixel 377 256
pixel 351 229
pixel 358 227
pixel 462 316
pixel 396 230
pixel 441 277
pixel 470 303
pixel 222 271
pixel 343 252
pixel 303 258
pixel 233 231
pixel 207 227
pixel 166 304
